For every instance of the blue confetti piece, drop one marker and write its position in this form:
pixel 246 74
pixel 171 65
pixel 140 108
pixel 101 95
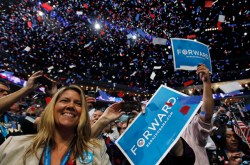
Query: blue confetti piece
pixel 190 100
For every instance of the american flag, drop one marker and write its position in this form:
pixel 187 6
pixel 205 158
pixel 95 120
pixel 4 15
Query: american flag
pixel 242 130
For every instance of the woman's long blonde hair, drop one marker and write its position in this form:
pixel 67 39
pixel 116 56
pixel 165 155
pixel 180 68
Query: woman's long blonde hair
pixel 45 135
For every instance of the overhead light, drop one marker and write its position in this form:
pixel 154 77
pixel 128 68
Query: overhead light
pixel 97 26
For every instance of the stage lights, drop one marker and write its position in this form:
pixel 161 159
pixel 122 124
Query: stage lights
pixel 97 26
pixel 211 29
pixel 134 37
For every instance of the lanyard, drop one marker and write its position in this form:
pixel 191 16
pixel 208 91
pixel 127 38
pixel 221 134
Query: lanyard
pixel 47 156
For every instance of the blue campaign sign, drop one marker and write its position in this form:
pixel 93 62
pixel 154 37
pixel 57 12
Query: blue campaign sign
pixel 189 53
pixel 151 136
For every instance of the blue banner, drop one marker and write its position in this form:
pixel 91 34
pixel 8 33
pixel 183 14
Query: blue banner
pixel 151 136
pixel 188 54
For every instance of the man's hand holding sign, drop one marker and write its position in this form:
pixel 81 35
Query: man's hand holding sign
pixel 167 115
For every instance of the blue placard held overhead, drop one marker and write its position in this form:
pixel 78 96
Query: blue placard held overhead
pixel 188 54
pixel 151 136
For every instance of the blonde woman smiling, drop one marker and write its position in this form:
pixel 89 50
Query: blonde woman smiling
pixel 63 138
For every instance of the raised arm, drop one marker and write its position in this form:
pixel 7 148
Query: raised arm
pixel 7 101
pixel 111 114
pixel 207 98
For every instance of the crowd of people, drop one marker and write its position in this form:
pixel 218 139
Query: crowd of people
pixel 60 39
pixel 66 131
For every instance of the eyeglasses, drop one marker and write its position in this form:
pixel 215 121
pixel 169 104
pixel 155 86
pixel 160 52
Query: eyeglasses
pixel 4 90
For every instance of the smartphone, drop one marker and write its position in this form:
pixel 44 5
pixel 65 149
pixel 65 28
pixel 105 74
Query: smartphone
pixel 129 106
pixel 44 81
